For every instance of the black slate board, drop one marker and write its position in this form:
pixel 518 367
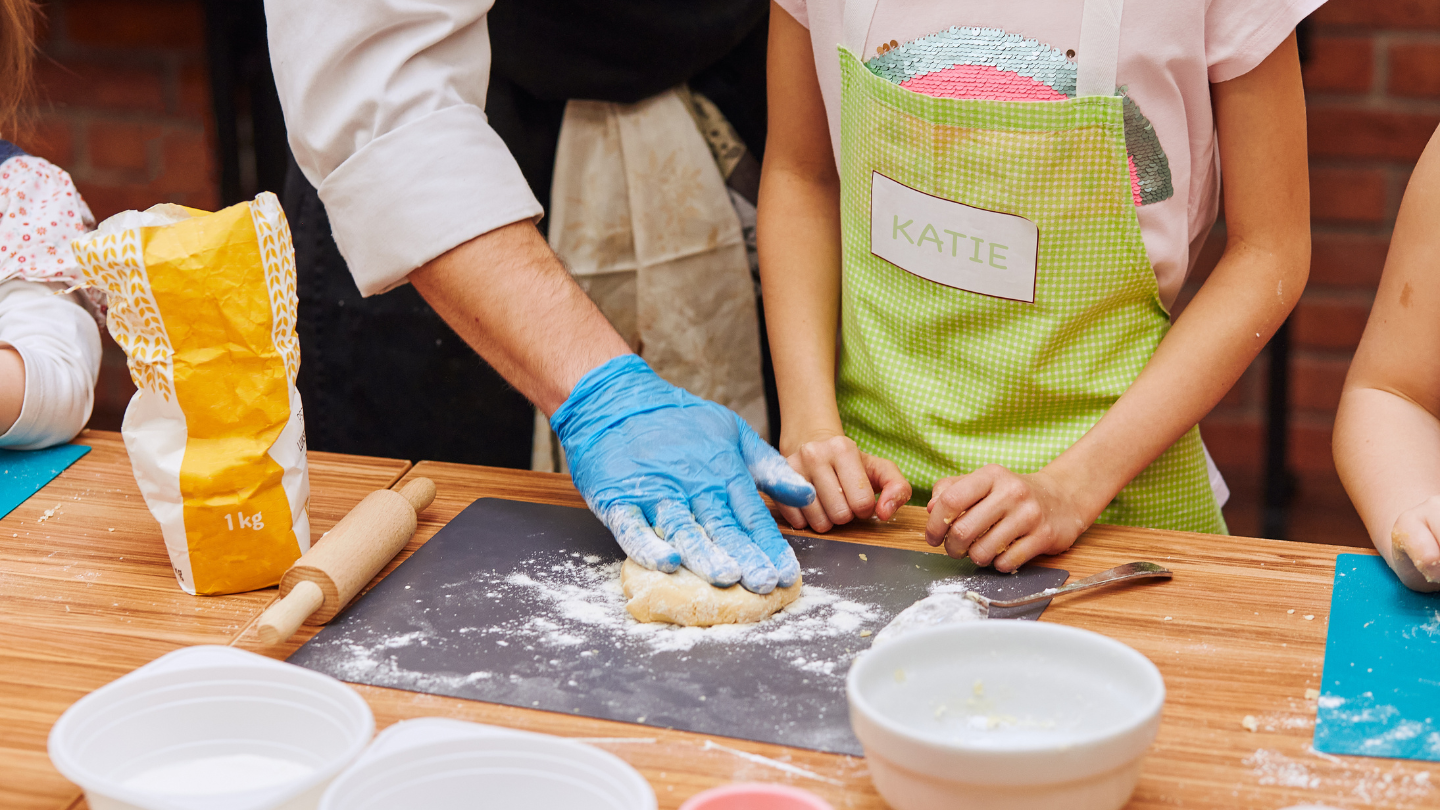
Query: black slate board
pixel 516 603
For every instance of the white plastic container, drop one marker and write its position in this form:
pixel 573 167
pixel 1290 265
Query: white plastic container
pixel 1005 715
pixel 440 764
pixel 213 728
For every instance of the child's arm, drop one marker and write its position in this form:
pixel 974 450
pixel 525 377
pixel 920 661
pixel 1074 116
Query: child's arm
pixel 12 387
pixel 60 347
pixel 1387 432
pixel 1007 518
pixel 799 241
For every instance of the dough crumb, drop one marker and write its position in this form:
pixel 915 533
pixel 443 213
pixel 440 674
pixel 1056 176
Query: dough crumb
pixel 899 676
pixel 1291 610
pixel 864 633
pixel 1312 694
pixel 864 558
pixel 1166 619
pixel 1309 616
pixel 1249 723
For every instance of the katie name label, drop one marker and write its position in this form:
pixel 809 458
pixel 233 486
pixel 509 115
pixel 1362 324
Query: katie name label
pixel 952 243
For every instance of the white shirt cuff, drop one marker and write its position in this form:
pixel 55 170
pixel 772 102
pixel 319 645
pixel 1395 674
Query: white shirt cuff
pixel 416 192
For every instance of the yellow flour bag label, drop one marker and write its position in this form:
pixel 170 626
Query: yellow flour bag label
pixel 204 306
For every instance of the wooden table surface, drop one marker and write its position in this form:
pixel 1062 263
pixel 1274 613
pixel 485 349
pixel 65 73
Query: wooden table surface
pixel 1221 633
pixel 81 605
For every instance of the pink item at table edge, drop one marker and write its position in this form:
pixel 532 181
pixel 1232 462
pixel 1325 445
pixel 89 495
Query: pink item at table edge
pixel 755 796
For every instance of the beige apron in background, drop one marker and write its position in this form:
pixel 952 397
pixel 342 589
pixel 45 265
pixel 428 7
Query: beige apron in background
pixel 641 215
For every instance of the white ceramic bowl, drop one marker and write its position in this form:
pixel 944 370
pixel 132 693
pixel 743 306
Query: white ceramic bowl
pixel 440 764
pixel 1005 715
pixel 211 728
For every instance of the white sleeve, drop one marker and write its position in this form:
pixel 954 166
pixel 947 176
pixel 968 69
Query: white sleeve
pixel 60 345
pixel 384 102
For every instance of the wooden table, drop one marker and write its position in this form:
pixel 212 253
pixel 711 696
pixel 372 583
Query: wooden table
pixel 88 595
pixel 1221 633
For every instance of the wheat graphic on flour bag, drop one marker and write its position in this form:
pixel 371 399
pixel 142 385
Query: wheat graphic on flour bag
pixel 204 306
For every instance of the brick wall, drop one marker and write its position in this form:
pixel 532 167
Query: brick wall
pixel 123 104
pixel 1373 87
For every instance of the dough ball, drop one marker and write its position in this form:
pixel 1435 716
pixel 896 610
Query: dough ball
pixel 683 598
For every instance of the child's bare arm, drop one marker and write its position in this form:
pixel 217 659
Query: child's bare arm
pixel 799 243
pixel 1009 518
pixel 1387 432
pixel 12 386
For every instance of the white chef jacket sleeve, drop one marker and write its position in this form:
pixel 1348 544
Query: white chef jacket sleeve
pixel 384 102
pixel 60 344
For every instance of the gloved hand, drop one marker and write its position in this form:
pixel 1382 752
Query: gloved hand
pixel 674 477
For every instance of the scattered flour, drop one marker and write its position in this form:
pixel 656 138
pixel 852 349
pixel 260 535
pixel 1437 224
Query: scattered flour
pixel 587 611
pixel 589 596
pixel 1344 779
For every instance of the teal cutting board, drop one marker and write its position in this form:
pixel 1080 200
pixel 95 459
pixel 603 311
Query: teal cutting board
pixel 1380 694
pixel 24 472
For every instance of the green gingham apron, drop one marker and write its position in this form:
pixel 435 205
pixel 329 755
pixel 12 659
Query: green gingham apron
pixel 943 380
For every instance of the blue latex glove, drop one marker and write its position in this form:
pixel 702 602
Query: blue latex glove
pixel 674 477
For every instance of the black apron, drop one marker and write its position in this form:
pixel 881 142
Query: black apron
pixel 384 375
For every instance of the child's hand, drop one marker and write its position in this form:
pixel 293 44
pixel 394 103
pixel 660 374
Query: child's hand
pixel 995 515
pixel 845 481
pixel 1414 544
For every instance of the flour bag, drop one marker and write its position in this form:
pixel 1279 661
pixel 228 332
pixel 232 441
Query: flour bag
pixel 204 306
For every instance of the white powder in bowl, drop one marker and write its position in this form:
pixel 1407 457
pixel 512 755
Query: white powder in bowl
pixel 214 776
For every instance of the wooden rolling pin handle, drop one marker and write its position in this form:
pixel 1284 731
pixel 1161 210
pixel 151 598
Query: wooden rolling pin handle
pixel 420 493
pixel 280 621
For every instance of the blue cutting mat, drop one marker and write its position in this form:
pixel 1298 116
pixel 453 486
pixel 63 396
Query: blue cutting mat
pixel 24 472
pixel 1380 695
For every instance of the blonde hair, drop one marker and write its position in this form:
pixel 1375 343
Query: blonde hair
pixel 17 52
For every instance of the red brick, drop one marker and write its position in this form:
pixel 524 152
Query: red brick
pixel 1329 323
pixel 52 138
pixel 194 94
pixel 1340 64
pixel 132 24
pixel 1344 260
pixel 107 199
pixel 1315 382
pixel 1380 13
pixel 1234 442
pixel 1347 195
pixel 119 145
pixel 96 85
pixel 1310 445
pixel 1365 133
pixel 1414 70
pixel 187 164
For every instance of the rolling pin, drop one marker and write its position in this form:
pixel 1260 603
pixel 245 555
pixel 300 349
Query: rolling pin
pixel 329 575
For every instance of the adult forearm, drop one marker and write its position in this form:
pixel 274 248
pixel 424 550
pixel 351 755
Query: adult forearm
pixel 507 295
pixel 1244 301
pixel 799 244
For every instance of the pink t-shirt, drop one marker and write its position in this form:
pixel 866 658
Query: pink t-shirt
pixel 1170 52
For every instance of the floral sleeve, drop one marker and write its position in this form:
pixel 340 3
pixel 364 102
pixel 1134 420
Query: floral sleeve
pixel 42 213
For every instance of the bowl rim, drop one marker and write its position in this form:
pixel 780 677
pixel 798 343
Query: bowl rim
pixel 464 738
pixel 1144 714
pixel 150 678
